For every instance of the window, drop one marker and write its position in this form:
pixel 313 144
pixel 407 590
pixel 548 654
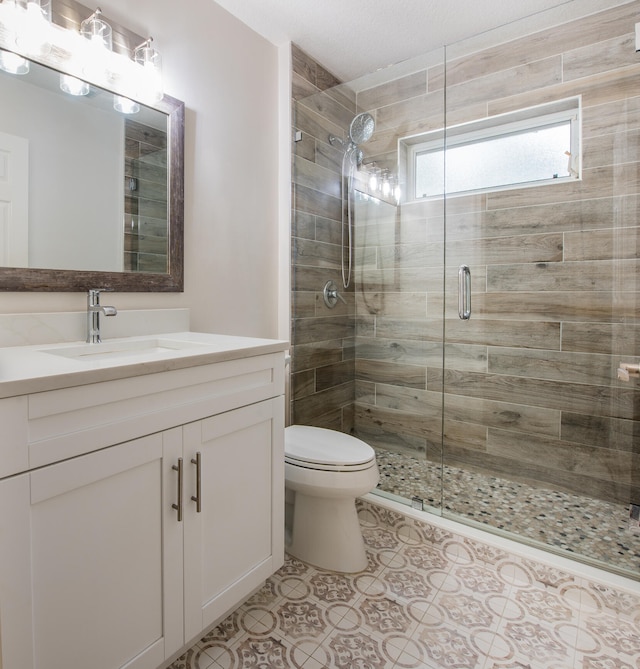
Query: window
pixel 529 147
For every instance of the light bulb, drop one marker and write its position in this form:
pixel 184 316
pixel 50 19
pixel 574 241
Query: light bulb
pixel 73 85
pixel 125 105
pixel 97 31
pixel 150 74
pixel 13 63
pixel 33 27
pixel 99 41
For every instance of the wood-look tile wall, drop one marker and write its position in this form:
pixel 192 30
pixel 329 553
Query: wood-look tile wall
pixel 322 378
pixel 145 225
pixel 530 381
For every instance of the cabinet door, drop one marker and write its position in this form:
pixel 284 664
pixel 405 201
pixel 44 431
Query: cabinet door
pixel 91 541
pixel 236 541
pixel 15 578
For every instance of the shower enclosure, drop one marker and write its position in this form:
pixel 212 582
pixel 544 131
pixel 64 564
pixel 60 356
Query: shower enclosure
pixel 488 341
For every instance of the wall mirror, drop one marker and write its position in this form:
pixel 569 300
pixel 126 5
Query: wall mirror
pixel 95 195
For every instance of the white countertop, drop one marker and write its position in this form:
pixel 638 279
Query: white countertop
pixel 38 368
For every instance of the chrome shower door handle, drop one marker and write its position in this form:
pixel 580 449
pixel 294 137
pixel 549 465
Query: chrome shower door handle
pixel 464 292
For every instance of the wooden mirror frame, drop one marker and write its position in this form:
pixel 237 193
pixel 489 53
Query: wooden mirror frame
pixel 56 280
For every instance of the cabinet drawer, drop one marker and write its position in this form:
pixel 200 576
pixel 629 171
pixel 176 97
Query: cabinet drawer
pixel 72 421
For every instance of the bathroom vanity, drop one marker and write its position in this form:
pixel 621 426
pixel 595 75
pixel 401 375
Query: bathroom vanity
pixel 141 488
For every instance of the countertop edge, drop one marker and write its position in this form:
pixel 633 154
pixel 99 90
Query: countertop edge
pixel 251 347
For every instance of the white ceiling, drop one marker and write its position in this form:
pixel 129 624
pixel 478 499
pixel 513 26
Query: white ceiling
pixel 355 37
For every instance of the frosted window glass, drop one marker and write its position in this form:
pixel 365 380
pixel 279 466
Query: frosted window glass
pixel 429 174
pixel 507 160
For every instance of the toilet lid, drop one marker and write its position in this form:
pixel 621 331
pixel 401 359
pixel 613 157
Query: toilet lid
pixel 325 449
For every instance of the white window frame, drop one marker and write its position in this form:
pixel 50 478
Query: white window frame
pixel 501 125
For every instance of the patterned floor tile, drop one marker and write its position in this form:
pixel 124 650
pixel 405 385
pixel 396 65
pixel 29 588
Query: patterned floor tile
pixel 428 599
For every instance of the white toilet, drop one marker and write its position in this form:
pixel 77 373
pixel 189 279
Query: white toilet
pixel 325 471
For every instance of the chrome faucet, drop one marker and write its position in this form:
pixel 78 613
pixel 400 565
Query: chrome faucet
pixel 94 309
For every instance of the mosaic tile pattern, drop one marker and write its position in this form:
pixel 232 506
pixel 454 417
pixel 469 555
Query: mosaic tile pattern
pixel 429 599
pixel 593 528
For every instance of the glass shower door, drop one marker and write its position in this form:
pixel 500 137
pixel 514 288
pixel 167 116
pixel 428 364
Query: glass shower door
pixel 398 274
pixel 541 432
pixel 399 290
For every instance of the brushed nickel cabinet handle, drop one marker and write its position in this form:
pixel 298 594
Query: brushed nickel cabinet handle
pixel 198 496
pixel 464 292
pixel 178 506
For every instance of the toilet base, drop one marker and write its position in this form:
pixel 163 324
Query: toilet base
pixel 326 533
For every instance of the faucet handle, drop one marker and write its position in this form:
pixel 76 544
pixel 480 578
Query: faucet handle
pixel 93 295
pixel 94 309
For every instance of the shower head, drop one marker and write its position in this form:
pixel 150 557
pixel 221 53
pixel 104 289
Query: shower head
pixel 361 128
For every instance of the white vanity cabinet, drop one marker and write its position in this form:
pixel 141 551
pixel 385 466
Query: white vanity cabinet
pixel 151 507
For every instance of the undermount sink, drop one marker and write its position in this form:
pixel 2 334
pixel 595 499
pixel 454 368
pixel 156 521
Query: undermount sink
pixel 123 348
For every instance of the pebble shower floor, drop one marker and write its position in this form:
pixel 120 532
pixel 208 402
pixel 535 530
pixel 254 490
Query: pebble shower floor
pixel 429 599
pixel 574 523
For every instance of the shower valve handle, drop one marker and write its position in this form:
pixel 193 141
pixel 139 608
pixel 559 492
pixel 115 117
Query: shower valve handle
pixel 336 294
pixel 331 295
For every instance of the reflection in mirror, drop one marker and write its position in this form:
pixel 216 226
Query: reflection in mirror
pixel 95 197
pixel 92 193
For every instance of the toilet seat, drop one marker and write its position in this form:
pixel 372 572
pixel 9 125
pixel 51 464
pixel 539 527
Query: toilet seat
pixel 328 450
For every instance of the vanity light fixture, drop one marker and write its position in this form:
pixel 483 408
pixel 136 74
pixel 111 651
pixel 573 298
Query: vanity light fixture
pixel 97 31
pixel 386 183
pixel 82 55
pixel 373 179
pixel 73 85
pixel 99 43
pixel 150 82
pixel 380 180
pixel 125 105
pixel 27 24
pixel 33 26
pixel 12 63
